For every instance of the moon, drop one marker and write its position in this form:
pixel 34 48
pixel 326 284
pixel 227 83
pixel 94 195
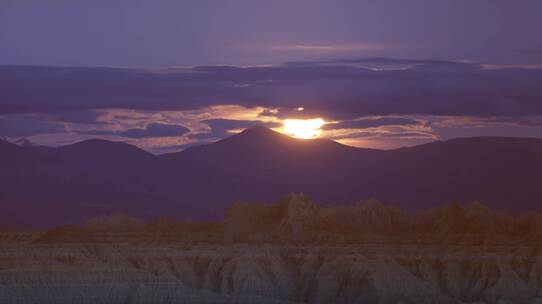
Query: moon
pixel 303 128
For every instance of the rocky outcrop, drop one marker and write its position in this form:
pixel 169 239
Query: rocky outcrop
pixel 67 234
pixel 371 217
pixel 294 218
pixel 528 224
pixel 188 226
pixel 20 237
pixel 115 222
pixel 297 219
pixel 457 219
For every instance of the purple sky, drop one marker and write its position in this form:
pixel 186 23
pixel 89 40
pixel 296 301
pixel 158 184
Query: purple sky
pixel 164 33
pixel 178 73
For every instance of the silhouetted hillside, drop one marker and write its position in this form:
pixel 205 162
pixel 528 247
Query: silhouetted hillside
pixel 71 183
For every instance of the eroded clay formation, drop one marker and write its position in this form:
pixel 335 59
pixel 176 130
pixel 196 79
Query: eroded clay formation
pixel 290 252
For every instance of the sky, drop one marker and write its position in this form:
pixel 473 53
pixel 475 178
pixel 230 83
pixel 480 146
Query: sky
pixel 164 33
pixel 165 75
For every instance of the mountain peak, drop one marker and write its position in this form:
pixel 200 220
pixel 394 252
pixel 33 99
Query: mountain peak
pixel 257 128
pixel 260 130
pixel 103 146
pixel 257 136
pixel 260 134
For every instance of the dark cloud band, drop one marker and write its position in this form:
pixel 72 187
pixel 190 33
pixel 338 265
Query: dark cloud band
pixel 343 90
pixel 371 123
pixel 151 130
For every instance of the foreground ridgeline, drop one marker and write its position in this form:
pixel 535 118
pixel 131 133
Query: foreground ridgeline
pixel 289 252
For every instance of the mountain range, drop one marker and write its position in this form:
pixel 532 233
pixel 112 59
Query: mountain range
pixel 45 187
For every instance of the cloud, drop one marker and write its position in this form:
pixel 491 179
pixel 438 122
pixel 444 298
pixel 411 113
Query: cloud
pixel 511 66
pixel 339 48
pixel 371 123
pixel 27 125
pixel 377 134
pixel 151 130
pixel 334 90
pixel 519 121
pixel 377 101
pixel 82 117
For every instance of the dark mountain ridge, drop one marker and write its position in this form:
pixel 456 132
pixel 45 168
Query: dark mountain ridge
pixel 71 183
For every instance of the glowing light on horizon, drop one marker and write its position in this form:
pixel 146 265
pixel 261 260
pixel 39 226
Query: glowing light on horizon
pixel 303 128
